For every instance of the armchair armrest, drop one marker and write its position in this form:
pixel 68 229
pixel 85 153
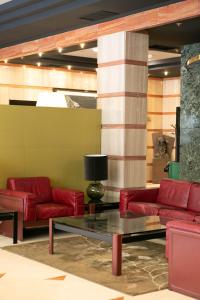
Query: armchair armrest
pixel 137 195
pixel 21 201
pixel 70 197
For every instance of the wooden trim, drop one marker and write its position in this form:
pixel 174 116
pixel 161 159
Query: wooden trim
pixel 123 126
pixel 123 62
pixel 155 78
pixel 122 94
pixel 149 164
pixel 20 86
pixel 152 147
pixel 171 96
pixel 118 189
pixel 119 157
pixel 149 181
pixel 160 130
pixel 154 96
pixel 46 68
pixel 136 22
pixel 171 78
pixel 161 113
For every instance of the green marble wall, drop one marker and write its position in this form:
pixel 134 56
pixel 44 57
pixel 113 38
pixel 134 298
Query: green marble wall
pixel 190 115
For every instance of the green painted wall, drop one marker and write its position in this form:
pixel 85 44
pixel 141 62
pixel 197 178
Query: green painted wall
pixel 37 141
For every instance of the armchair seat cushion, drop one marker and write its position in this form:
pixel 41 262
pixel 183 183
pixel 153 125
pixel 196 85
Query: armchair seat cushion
pixel 177 214
pixel 45 211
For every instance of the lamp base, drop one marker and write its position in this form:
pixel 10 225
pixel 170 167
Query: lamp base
pixel 95 192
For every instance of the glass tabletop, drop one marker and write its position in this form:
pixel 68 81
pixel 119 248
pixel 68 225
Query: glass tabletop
pixel 112 222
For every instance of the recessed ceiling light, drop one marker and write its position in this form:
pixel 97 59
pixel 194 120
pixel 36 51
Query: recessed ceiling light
pixel 166 73
pixel 5 61
pixel 178 24
pixel 40 54
pixel 60 49
pixel 38 64
pixel 150 56
pixel 95 49
pixel 69 67
pixel 82 45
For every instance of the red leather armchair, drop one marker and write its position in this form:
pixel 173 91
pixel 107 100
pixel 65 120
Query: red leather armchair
pixel 36 202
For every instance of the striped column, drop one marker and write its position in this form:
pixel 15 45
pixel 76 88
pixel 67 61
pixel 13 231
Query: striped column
pixel 122 93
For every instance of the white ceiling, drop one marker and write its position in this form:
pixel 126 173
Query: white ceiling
pixel 153 55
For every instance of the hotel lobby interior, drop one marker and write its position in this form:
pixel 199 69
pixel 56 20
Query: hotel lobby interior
pixel 99 91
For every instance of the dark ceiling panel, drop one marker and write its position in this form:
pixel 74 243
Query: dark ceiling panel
pixel 25 20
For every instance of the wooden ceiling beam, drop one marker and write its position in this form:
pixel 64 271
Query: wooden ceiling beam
pixel 144 20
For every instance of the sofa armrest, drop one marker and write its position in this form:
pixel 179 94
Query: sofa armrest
pixel 21 201
pixel 137 195
pixel 70 197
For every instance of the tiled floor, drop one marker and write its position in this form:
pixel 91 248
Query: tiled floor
pixel 22 278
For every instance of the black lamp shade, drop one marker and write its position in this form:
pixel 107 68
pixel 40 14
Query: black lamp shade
pixel 96 167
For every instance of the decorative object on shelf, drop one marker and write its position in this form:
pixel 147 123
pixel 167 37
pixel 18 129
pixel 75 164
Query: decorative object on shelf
pixel 163 145
pixel 96 169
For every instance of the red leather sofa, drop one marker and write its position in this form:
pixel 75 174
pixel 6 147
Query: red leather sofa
pixel 36 201
pixel 173 200
pixel 184 257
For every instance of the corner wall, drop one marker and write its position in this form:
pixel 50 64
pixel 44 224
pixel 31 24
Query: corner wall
pixel 37 141
pixel 163 97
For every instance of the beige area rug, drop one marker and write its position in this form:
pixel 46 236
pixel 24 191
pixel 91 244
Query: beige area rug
pixel 144 265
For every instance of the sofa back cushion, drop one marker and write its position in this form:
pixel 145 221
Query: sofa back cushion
pixel 194 197
pixel 174 192
pixel 39 186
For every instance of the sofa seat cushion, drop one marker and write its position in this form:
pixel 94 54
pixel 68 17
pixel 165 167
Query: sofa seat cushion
pixel 180 214
pixel 144 208
pixel 174 193
pixel 52 210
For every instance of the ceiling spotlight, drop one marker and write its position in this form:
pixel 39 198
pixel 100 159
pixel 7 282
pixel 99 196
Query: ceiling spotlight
pixel 5 61
pixel 38 64
pixel 150 56
pixel 60 49
pixel 40 54
pixel 166 73
pixel 178 24
pixel 95 49
pixel 69 67
pixel 82 45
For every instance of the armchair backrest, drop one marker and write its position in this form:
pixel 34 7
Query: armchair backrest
pixel 39 186
pixel 174 192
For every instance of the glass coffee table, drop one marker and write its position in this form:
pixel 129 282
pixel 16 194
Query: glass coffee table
pixel 110 227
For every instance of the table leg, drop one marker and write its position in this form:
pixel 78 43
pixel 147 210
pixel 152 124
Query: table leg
pixel 116 254
pixel 15 226
pixel 51 233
